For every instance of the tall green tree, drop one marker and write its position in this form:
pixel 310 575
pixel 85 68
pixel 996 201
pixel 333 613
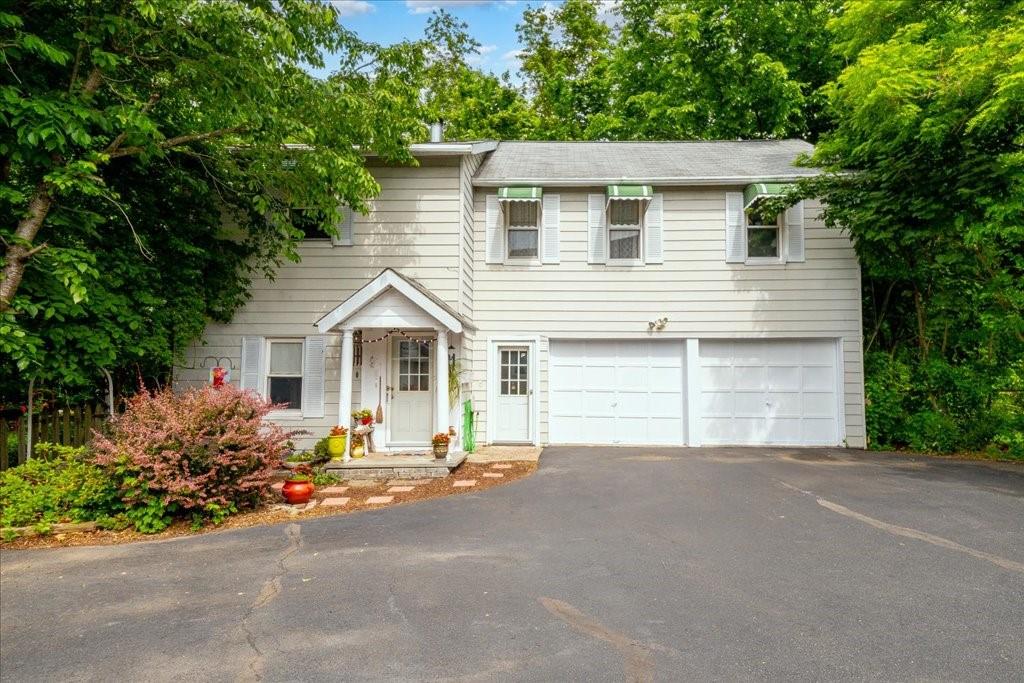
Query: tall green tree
pixel 926 166
pixel 565 60
pixel 474 105
pixel 117 114
pixel 708 69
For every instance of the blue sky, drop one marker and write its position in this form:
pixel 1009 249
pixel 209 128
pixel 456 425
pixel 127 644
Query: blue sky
pixel 491 22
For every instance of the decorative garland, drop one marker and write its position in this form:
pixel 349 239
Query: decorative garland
pixel 389 333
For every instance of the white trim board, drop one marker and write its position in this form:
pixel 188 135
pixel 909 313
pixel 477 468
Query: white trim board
pixel 376 287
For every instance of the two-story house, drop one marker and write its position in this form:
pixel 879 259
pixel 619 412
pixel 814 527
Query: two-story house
pixel 575 293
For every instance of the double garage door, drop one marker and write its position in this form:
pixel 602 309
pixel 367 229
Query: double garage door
pixel 748 392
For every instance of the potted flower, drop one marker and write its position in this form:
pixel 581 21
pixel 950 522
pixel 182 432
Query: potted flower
pixel 336 442
pixel 358 446
pixel 298 488
pixel 362 417
pixel 440 444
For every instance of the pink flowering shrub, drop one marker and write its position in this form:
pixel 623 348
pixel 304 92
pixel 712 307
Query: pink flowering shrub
pixel 202 452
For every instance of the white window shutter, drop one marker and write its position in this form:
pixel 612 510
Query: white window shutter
pixel 597 234
pixel 344 238
pixel 550 220
pixel 735 236
pixel 313 376
pixel 654 230
pixel 252 364
pixel 494 240
pixel 795 232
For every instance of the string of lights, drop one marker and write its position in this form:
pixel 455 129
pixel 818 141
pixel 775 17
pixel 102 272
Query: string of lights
pixel 391 333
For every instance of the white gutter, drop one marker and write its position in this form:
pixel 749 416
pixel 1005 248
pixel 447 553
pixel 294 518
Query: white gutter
pixel 670 181
pixel 426 149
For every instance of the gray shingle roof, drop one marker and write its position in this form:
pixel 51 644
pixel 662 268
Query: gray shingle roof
pixel 664 163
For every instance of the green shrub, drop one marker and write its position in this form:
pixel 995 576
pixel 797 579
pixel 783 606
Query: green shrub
pixel 320 450
pixel 325 479
pixel 59 484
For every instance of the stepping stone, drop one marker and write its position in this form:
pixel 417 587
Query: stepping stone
pixel 463 483
pixel 379 500
pixel 501 466
pixel 400 489
pixel 308 506
pixel 334 502
pixel 493 475
pixel 408 482
pixel 363 483
pixel 334 489
pixel 277 485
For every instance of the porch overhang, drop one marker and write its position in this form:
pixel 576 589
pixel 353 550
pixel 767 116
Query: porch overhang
pixel 411 290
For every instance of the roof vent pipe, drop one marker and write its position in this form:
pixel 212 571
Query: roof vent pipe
pixel 437 131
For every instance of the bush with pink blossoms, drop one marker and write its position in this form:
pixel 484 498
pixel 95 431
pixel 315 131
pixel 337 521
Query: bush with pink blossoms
pixel 205 453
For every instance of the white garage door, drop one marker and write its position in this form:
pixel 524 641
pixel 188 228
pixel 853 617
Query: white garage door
pixel 769 392
pixel 616 392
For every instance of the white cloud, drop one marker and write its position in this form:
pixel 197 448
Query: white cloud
pixel 351 8
pixel 487 49
pixel 426 6
pixel 512 55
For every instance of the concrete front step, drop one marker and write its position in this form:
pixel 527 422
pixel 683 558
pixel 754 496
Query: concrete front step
pixel 379 466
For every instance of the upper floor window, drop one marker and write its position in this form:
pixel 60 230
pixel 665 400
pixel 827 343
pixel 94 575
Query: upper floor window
pixel 284 373
pixel 523 229
pixel 763 235
pixel 625 229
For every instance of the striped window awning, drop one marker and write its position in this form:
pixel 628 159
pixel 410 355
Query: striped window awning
pixel 520 194
pixel 758 191
pixel 630 192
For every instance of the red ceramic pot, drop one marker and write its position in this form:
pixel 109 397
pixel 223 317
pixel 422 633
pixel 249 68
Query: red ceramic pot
pixel 297 492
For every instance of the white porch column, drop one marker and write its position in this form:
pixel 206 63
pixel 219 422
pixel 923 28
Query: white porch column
pixel 441 385
pixel 345 393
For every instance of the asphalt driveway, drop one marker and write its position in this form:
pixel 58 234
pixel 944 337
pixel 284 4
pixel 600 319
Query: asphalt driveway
pixel 608 564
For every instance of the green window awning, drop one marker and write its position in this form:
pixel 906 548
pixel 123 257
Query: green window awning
pixel 758 191
pixel 520 193
pixel 630 192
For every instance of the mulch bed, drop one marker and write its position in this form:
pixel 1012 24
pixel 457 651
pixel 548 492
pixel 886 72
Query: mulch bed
pixel 357 496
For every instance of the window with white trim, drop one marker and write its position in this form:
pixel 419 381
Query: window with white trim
pixel 625 230
pixel 284 373
pixel 763 237
pixel 522 230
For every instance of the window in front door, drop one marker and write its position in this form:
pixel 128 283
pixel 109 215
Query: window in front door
pixel 413 366
pixel 514 372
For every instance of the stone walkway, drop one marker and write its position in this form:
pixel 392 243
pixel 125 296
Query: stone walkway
pixel 333 494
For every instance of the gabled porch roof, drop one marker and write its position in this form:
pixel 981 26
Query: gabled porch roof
pixel 412 290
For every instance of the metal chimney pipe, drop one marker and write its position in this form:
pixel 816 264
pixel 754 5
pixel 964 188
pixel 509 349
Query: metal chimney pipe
pixel 437 131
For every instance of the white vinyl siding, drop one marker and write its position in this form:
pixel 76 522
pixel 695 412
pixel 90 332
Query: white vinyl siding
pixel 415 225
pixel 702 296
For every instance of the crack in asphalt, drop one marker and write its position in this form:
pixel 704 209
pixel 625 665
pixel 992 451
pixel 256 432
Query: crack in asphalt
pixel 639 659
pixel 268 592
pixel 908 532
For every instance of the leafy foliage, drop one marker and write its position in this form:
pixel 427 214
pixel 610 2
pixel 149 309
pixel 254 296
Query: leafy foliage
pixel 60 484
pixel 202 452
pixel 927 175
pixel 129 137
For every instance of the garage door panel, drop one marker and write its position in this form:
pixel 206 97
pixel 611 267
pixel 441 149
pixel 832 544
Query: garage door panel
pixel 716 376
pixel 567 402
pixel 821 379
pixel 666 381
pixel 626 391
pixel 747 378
pixel 783 378
pixel 819 404
pixel 769 392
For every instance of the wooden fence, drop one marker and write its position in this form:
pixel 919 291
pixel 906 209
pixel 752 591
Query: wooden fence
pixel 67 425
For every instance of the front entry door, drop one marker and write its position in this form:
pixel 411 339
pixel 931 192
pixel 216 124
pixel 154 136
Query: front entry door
pixel 514 392
pixel 411 399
